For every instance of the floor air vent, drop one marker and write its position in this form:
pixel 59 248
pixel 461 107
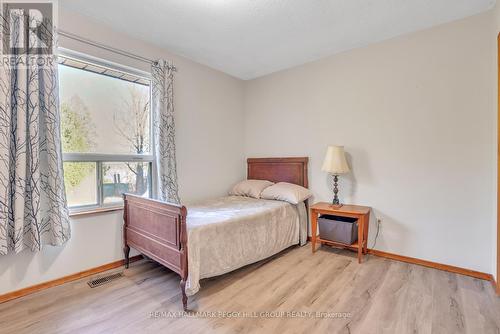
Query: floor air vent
pixel 103 280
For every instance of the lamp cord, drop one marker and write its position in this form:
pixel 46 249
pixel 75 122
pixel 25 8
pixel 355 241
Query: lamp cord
pixel 376 235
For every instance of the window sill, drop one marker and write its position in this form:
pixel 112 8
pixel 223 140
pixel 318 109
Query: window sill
pixel 95 211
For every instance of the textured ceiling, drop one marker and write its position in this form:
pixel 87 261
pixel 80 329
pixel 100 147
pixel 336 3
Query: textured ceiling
pixel 251 38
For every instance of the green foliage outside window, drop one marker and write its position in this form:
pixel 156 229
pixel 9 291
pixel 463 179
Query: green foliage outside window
pixel 77 134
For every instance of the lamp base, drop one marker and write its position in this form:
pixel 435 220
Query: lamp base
pixel 336 206
pixel 336 202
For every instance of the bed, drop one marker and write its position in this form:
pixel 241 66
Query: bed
pixel 218 235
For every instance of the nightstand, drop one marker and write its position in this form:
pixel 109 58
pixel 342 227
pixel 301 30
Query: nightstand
pixel 362 213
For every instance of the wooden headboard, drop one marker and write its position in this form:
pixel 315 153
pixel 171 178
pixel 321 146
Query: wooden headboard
pixel 291 170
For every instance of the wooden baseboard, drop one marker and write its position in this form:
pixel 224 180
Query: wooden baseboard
pixel 435 265
pixel 73 277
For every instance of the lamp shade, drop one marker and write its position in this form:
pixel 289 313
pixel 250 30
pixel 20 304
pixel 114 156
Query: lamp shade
pixel 335 161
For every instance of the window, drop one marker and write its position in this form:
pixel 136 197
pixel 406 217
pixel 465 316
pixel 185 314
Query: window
pixel 106 133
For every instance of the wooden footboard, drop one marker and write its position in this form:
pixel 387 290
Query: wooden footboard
pixel 157 230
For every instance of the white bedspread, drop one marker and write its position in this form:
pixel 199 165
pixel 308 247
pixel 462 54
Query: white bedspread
pixel 230 232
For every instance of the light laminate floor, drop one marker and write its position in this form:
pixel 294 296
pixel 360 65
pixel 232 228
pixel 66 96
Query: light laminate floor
pixel 378 296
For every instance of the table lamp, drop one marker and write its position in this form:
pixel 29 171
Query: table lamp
pixel 335 163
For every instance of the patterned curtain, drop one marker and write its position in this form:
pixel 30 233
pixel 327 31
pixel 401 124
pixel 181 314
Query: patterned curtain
pixel 33 208
pixel 164 131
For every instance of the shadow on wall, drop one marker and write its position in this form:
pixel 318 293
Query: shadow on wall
pixel 362 159
pixel 16 265
pixel 350 177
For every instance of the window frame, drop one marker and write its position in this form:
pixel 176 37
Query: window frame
pixel 100 158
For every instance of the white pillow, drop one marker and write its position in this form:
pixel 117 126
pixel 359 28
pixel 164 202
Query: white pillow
pixel 250 188
pixel 288 192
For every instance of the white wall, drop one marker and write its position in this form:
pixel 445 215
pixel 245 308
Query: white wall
pixel 416 115
pixel 208 106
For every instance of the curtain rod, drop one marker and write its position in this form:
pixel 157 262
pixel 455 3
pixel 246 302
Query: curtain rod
pixel 108 48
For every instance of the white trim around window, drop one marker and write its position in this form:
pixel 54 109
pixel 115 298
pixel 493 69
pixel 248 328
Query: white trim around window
pixel 82 57
pixel 95 157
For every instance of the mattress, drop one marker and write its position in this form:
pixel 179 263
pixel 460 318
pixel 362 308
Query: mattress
pixel 228 233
